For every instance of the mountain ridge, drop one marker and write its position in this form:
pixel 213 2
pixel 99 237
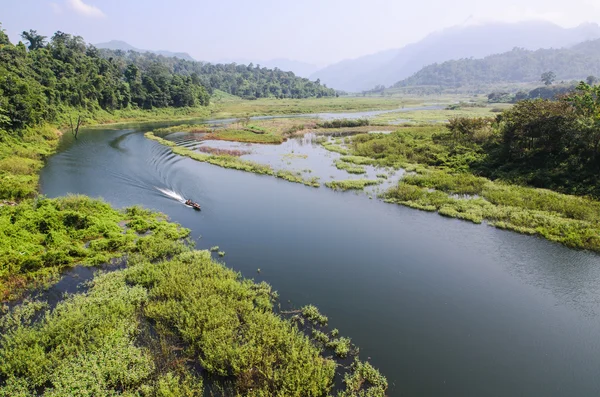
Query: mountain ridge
pixel 390 66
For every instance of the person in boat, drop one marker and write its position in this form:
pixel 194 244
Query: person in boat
pixel 188 202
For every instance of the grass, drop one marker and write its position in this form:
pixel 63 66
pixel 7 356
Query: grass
pixel 440 179
pixel 146 329
pixel 333 147
pixel 352 184
pixel 349 168
pixel 234 162
pixel 270 106
pixel 40 238
pixel 21 158
pixel 437 116
pixel 570 220
pixel 244 136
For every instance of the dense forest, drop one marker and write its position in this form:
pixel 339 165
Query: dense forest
pixel 41 79
pixel 516 66
pixel 246 81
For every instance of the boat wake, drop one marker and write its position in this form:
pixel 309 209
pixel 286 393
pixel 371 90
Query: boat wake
pixel 172 194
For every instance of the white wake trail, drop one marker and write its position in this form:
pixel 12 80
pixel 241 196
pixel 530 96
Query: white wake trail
pixel 172 194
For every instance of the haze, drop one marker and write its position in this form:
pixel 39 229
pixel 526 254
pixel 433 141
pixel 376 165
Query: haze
pixel 319 32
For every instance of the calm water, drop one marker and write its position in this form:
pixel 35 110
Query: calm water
pixel 441 306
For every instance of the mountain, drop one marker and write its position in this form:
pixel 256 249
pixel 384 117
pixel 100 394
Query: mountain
pixel 123 46
pixel 299 68
pixel 465 41
pixel 516 66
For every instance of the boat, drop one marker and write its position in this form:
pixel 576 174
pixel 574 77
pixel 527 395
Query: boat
pixel 193 204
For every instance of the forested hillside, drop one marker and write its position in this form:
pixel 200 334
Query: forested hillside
pixel 518 65
pixel 43 78
pixel 465 41
pixel 248 82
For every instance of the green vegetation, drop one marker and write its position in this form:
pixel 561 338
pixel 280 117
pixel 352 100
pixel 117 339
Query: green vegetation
pixel 358 160
pixel 364 380
pixel 272 106
pixel 21 157
pixel 245 81
pixel 173 319
pixel 351 184
pixel 518 65
pixel 342 123
pixel 570 220
pixel 313 315
pixel 333 147
pixel 39 238
pixel 541 143
pixel 41 83
pixel 244 136
pixel 123 336
pixel 145 330
pixel 349 168
pixel 234 162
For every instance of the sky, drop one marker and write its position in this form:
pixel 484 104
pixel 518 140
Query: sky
pixel 314 31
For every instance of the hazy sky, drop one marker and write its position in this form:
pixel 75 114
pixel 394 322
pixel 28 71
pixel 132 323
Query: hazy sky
pixel 316 31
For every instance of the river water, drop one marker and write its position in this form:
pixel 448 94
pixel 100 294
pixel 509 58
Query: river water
pixel 442 307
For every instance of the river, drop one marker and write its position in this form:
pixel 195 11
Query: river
pixel 442 307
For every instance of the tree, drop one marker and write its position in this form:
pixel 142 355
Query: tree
pixel 35 40
pixel 548 77
pixel 3 37
pixel 591 80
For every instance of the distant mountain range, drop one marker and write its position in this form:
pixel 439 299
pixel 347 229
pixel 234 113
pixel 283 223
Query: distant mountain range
pixel 516 66
pixel 477 41
pixel 123 46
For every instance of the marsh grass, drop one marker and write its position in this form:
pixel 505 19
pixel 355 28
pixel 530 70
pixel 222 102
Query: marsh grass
pixel 349 168
pixel 234 163
pixel 21 158
pixel 351 184
pixel 244 136
pixel 39 238
pixel 333 147
pixel 570 220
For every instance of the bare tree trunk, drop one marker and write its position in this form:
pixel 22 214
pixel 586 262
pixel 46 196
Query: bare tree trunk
pixel 75 130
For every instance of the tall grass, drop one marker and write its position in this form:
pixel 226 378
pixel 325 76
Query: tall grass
pixel 570 220
pixel 352 184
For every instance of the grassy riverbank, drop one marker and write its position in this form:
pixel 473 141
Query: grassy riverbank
pixel 442 181
pixel 39 238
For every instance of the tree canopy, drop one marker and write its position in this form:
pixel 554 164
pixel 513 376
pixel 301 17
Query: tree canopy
pixel 42 79
pixel 246 81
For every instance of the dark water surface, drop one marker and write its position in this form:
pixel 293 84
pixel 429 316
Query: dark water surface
pixel 442 307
